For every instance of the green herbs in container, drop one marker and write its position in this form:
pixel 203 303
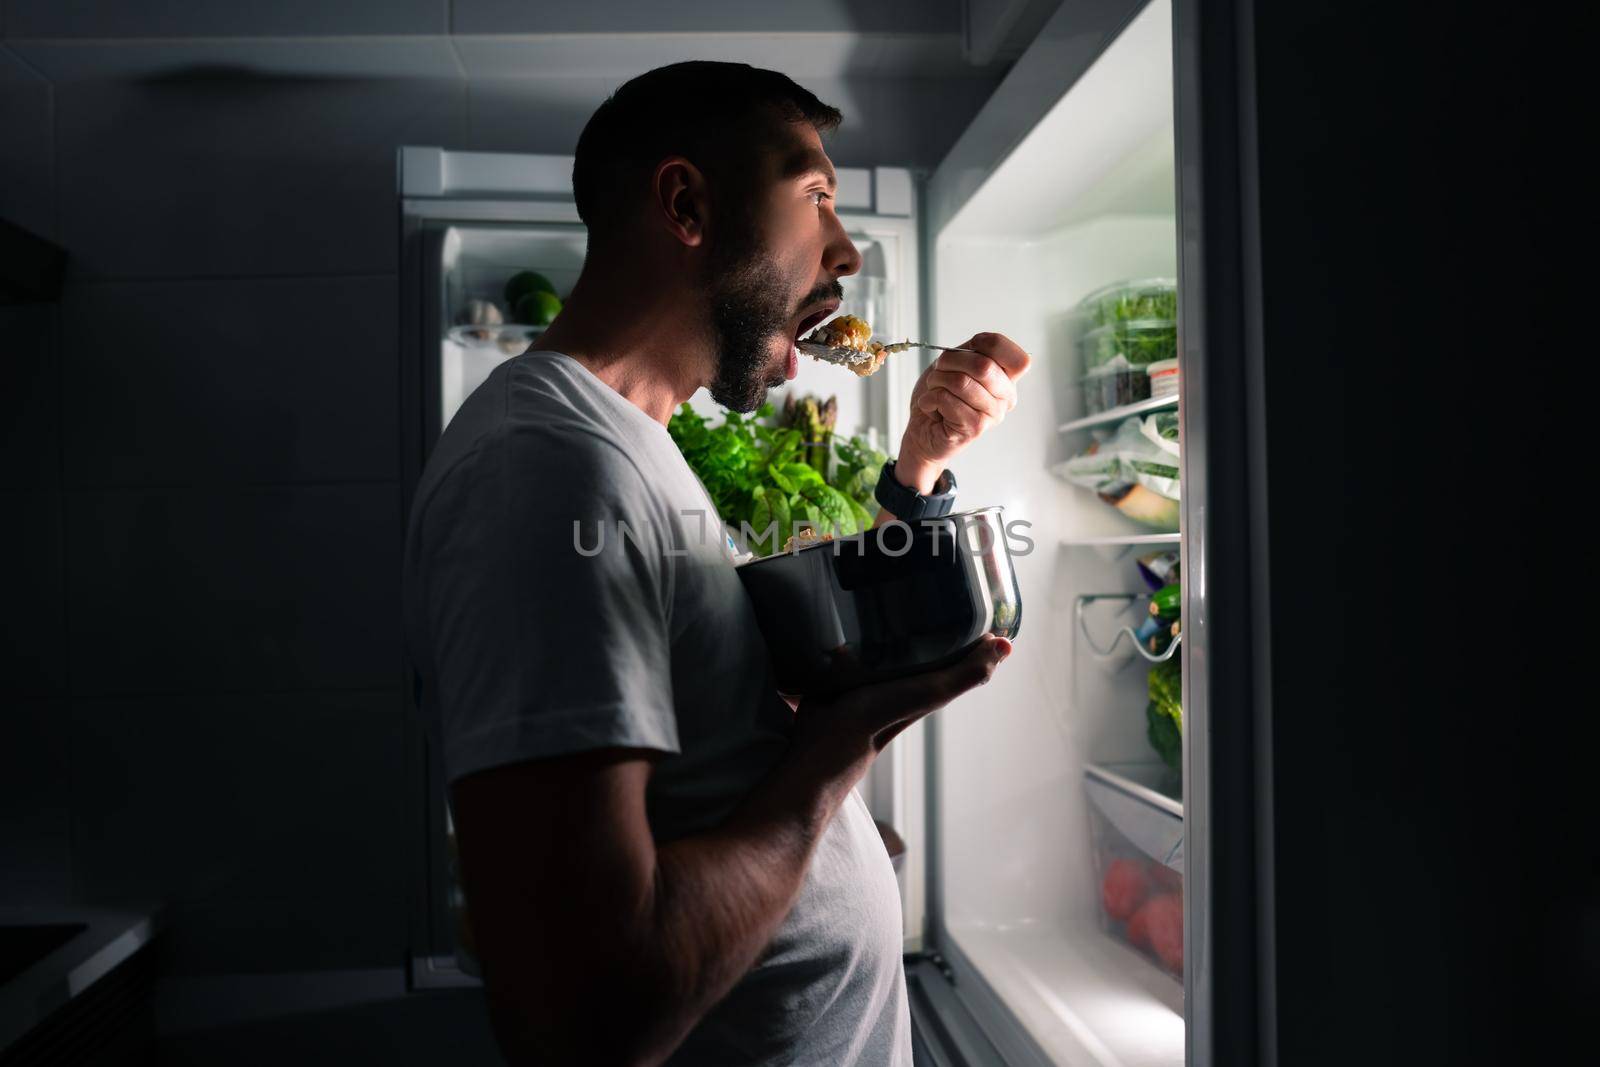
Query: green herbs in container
pixel 1146 300
pixel 1127 327
pixel 1138 343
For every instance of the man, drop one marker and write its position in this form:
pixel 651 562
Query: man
pixel 663 859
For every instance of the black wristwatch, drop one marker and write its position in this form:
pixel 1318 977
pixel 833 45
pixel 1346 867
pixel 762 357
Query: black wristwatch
pixel 907 504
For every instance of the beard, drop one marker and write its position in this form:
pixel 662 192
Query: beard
pixel 748 310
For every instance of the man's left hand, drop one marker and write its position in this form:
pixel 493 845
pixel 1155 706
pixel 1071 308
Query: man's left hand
pixel 959 397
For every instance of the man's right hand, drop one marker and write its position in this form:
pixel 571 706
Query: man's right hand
pixel 854 726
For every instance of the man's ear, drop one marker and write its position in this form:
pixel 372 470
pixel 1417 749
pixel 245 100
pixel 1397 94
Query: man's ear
pixel 679 200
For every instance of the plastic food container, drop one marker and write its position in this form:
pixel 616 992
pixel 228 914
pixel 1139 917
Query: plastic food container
pixel 1163 377
pixel 1140 342
pixel 1136 833
pixel 1111 387
pixel 1144 299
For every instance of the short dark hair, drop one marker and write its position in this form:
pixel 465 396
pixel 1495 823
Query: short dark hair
pixel 719 116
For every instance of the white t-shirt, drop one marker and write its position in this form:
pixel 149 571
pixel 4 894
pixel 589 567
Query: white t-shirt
pixel 533 638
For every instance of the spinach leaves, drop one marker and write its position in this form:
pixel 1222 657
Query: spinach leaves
pixel 758 477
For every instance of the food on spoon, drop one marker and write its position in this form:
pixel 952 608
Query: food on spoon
pixel 867 366
pixel 847 331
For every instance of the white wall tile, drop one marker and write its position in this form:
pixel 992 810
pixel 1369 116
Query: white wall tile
pixel 174 591
pixel 249 176
pixel 30 397
pixel 252 380
pixel 65 61
pixel 27 149
pixel 35 783
pixel 542 115
pixel 32 622
pixel 271 825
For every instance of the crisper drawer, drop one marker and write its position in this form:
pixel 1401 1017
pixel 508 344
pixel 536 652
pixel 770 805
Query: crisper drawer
pixel 1136 832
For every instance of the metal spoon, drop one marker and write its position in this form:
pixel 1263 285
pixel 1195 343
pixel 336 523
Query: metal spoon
pixel 845 357
pixel 901 346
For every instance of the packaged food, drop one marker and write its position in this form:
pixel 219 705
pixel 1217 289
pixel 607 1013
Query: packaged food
pixel 1135 469
pixel 1158 569
pixel 1163 377
pixel 1144 506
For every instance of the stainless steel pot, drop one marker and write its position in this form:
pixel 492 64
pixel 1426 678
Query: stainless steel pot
pixel 899 599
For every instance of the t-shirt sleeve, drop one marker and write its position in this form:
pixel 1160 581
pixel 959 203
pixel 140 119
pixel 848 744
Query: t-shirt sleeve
pixel 547 597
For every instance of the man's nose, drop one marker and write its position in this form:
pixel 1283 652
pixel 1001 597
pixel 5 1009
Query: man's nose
pixel 841 257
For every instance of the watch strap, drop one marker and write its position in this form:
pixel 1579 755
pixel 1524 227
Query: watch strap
pixel 907 504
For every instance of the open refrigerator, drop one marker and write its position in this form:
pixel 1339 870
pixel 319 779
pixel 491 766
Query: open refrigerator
pixel 1038 818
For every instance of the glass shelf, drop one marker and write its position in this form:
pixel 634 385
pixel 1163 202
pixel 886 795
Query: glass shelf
pixel 1123 539
pixel 1155 403
pixel 509 337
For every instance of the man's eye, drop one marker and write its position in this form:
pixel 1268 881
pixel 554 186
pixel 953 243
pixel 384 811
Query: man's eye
pixel 819 197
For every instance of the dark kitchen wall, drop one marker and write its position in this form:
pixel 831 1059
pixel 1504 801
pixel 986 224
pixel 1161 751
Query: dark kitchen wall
pixel 200 472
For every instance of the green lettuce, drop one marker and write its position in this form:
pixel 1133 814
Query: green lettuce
pixel 762 474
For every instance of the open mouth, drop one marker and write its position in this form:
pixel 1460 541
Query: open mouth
pixel 815 319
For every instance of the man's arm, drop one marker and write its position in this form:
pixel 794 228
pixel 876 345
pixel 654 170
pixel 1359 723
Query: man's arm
pixel 598 946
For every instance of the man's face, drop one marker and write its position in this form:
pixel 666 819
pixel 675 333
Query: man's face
pixel 773 270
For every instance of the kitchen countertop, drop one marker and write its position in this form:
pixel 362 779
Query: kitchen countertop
pixel 48 956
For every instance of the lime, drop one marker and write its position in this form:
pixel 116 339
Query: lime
pixel 524 282
pixel 538 308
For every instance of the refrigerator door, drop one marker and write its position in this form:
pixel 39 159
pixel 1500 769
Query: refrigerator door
pixel 475 262
pixel 1062 886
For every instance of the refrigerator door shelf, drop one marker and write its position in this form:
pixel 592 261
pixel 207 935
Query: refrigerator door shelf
pixel 1107 652
pixel 510 338
pixel 1151 784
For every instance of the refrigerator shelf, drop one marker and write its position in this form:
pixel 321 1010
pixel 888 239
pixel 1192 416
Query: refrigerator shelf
pixel 1152 782
pixel 1123 539
pixel 1156 403
pixel 510 337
